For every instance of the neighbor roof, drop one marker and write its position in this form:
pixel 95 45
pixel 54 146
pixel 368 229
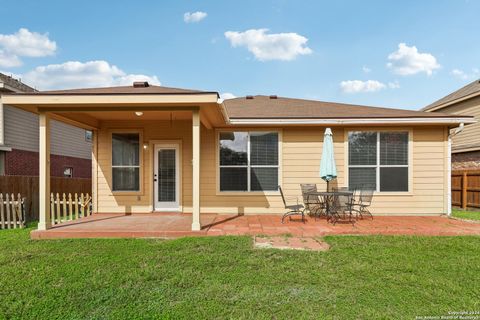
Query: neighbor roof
pixel 272 107
pixel 10 84
pixel 471 89
pixel 151 89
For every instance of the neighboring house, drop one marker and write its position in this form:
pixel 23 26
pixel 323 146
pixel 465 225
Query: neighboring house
pixel 466 144
pixel 165 149
pixel 71 146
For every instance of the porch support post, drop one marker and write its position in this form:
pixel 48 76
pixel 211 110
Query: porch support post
pixel 196 170
pixel 44 172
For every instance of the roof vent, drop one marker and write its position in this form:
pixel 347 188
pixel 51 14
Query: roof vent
pixel 140 84
pixel 249 97
pixel 273 96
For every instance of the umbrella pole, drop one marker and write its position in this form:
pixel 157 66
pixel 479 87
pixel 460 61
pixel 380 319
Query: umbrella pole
pixel 328 182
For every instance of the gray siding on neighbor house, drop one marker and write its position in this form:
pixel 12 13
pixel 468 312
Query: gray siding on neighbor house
pixel 21 132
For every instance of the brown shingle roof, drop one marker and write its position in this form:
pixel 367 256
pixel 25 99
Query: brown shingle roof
pixel 15 84
pixel 123 90
pixel 469 89
pixel 264 107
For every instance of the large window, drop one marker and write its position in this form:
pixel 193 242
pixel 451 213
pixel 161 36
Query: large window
pixel 378 160
pixel 248 161
pixel 125 162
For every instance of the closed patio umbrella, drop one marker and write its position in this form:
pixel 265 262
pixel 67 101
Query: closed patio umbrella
pixel 328 169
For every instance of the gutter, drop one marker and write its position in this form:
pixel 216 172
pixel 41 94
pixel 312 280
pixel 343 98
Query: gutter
pixel 352 121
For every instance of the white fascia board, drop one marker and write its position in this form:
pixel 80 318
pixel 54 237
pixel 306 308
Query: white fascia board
pixel 353 121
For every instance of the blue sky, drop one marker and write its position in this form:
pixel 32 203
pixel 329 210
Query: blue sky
pixel 333 51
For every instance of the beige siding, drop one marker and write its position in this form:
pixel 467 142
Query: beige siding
pixel 300 159
pixel 21 132
pixel 470 136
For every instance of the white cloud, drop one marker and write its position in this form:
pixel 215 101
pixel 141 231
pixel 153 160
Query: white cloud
pixel 9 60
pixel 24 43
pixel 227 95
pixel 407 61
pixel 460 74
pixel 394 85
pixel 366 69
pixel 75 74
pixel 273 46
pixel 356 86
pixel 194 17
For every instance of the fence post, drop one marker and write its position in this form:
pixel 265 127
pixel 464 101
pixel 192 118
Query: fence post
pixel 464 190
pixel 2 214
pixel 7 207
pixel 52 209
pixel 14 211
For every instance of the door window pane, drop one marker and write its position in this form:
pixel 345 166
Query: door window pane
pixel 264 179
pixel 166 180
pixel 394 179
pixel 125 179
pixel 394 148
pixel 233 179
pixel 362 178
pixel 264 148
pixel 233 148
pixel 362 148
pixel 125 149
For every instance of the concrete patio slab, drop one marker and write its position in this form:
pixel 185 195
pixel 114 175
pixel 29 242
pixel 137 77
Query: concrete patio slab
pixel 173 225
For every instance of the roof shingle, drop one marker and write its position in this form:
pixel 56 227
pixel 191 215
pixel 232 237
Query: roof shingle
pixel 264 107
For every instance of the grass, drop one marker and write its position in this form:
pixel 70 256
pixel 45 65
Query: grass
pixel 361 277
pixel 464 214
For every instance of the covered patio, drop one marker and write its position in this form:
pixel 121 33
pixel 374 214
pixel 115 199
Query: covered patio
pixel 174 225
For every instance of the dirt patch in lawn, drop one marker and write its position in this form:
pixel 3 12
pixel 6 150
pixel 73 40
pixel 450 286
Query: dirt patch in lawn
pixel 290 243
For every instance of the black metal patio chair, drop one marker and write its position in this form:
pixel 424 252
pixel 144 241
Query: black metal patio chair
pixel 293 209
pixel 313 204
pixel 361 206
pixel 342 208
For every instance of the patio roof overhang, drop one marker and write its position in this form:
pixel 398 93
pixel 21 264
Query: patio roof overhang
pixel 87 111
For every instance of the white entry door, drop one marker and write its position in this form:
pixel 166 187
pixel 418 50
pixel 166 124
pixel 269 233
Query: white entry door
pixel 166 177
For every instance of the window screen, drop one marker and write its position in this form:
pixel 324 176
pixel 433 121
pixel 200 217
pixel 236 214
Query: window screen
pixel 125 162
pixel 378 161
pixel 248 161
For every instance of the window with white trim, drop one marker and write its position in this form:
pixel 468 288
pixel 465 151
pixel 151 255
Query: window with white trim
pixel 378 160
pixel 248 161
pixel 125 162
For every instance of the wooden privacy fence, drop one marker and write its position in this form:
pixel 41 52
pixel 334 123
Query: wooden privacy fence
pixel 27 186
pixel 68 207
pixel 466 189
pixel 12 213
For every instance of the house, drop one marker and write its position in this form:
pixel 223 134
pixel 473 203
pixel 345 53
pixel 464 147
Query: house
pixel 165 149
pixel 466 144
pixel 71 146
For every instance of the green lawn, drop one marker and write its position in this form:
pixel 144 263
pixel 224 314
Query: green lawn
pixel 365 277
pixel 463 214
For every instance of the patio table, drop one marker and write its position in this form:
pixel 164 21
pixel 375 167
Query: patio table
pixel 329 199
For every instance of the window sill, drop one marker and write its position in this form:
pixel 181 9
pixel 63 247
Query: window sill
pixel 248 193
pixel 127 193
pixel 392 193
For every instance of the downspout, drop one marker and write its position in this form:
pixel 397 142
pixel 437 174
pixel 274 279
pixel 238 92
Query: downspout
pixel 449 167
